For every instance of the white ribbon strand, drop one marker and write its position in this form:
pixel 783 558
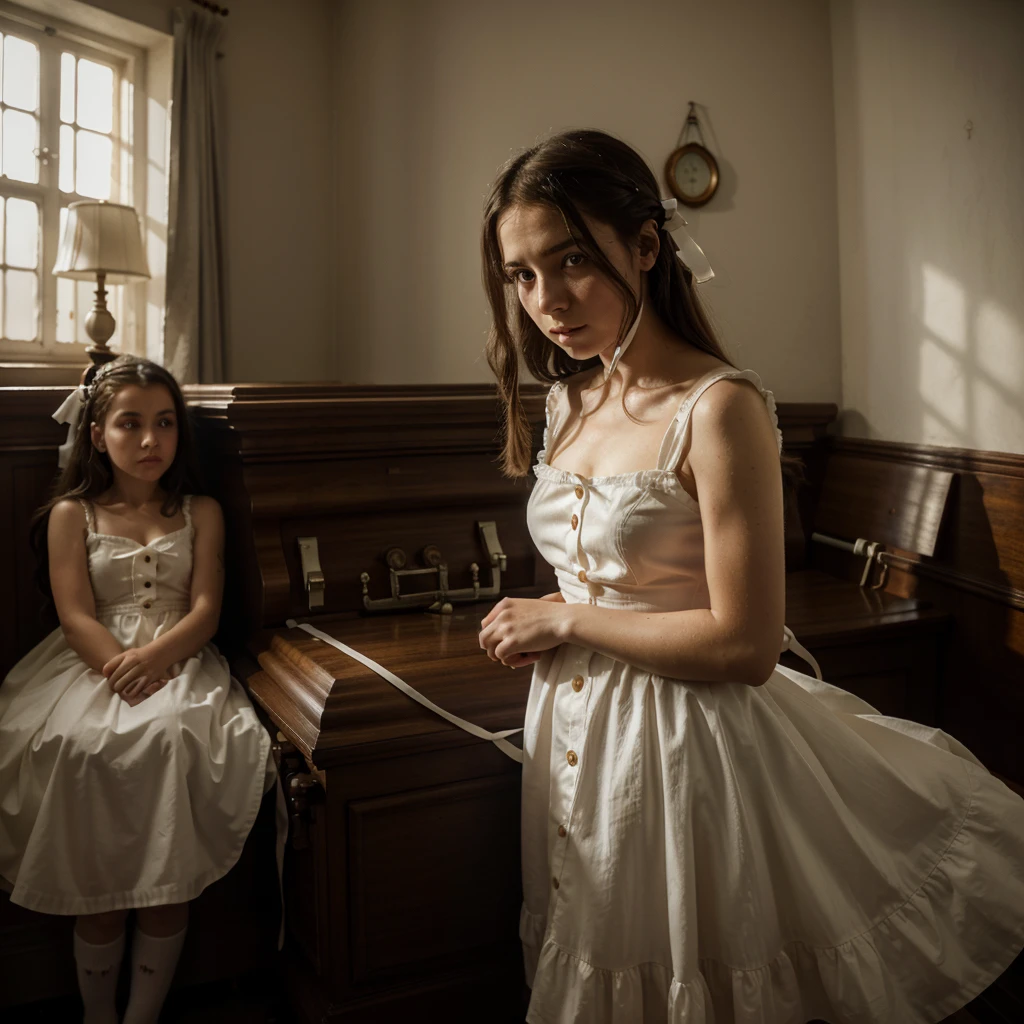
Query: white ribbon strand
pixel 69 412
pixel 690 252
pixel 497 738
pixel 624 344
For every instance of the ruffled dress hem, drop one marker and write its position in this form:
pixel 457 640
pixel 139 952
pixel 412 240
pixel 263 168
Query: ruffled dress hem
pixel 853 982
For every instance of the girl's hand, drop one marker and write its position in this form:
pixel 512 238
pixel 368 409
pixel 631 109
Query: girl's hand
pixel 517 631
pixel 131 671
pixel 147 692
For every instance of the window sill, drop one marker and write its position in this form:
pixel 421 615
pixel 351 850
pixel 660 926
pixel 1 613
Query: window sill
pixel 27 375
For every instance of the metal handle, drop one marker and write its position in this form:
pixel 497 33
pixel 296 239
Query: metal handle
pixel 312 574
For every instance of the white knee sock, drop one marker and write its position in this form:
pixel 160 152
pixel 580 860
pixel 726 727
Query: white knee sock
pixel 98 968
pixel 153 961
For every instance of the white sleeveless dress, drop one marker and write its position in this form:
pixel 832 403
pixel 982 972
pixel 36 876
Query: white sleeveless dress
pixel 104 806
pixel 717 853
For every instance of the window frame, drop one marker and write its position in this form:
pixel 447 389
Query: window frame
pixel 129 178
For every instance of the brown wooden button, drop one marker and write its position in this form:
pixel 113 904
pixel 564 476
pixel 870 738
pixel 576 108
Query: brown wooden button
pixel 561 831
pixel 572 758
pixel 147 604
pixel 554 883
pixel 581 576
pixel 577 683
pixel 575 521
pixel 579 491
pixel 148 583
pixel 148 559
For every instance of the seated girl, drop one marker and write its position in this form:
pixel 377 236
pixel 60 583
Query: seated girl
pixel 132 765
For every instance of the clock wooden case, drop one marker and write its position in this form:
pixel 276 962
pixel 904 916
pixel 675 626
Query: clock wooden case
pixel 691 173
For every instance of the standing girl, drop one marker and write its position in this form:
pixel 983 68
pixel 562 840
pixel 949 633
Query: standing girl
pixel 132 765
pixel 708 837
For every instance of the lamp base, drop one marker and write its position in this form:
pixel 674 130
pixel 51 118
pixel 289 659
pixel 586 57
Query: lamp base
pixel 99 325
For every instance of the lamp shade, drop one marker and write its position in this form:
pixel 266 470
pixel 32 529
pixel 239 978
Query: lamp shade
pixel 101 238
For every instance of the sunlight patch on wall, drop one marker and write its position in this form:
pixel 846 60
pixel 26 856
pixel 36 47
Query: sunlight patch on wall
pixel 944 306
pixel 942 385
pixel 999 344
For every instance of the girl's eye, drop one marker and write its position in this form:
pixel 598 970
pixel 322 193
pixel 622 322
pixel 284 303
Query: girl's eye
pixel 572 259
pixel 166 423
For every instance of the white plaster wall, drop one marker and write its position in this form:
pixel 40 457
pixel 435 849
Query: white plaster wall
pixel 931 221
pixel 432 97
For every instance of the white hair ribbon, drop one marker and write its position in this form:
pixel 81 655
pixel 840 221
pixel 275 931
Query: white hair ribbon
pixel 70 412
pixel 624 344
pixel 690 252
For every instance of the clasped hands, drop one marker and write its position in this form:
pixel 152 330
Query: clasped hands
pixel 134 675
pixel 517 631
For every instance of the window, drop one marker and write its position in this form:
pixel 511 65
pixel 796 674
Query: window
pixel 67 132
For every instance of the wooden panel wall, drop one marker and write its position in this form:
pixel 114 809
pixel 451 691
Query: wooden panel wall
pixel 976 573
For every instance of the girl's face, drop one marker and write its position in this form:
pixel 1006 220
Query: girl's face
pixel 139 431
pixel 570 300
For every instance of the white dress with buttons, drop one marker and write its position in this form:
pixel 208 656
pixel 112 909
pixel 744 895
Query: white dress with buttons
pixel 104 806
pixel 716 853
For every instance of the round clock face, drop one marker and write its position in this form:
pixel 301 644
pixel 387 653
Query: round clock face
pixel 693 175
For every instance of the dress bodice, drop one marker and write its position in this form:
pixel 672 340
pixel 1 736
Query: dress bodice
pixel 149 580
pixel 633 539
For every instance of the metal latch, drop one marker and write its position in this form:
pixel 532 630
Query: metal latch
pixel 442 598
pixel 312 574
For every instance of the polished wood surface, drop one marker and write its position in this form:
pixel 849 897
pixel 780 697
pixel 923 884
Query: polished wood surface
pixel 333 706
pixel 892 502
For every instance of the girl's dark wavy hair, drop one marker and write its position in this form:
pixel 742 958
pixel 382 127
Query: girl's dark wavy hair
pixel 578 172
pixel 88 473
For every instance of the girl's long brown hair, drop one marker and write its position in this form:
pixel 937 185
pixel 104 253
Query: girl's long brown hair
pixel 88 473
pixel 578 172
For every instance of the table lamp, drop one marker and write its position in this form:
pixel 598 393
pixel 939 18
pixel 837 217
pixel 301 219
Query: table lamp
pixel 101 240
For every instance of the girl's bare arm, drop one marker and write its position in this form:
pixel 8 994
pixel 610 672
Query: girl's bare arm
pixel 72 589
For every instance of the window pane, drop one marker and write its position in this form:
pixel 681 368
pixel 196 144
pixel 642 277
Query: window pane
pixel 93 165
pixel 21 310
pixel 65 309
pixel 66 164
pixel 21 73
pixel 22 234
pixel 21 139
pixel 67 87
pixel 95 96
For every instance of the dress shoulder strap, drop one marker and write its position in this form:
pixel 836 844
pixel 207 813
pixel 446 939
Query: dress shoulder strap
pixel 186 508
pixel 90 515
pixel 554 416
pixel 678 431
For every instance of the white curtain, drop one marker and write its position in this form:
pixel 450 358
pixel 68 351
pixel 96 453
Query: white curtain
pixel 194 336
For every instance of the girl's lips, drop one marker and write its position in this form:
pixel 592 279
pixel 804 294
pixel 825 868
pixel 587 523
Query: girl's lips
pixel 565 332
pixel 152 458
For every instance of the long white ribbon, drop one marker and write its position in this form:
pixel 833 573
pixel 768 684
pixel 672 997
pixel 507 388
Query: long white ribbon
pixel 497 738
pixel 790 643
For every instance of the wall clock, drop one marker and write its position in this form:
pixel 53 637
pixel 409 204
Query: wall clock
pixel 691 172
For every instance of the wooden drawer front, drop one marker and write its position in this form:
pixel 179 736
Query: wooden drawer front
pixel 434 877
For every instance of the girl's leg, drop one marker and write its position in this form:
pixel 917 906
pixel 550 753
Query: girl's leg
pixel 159 935
pixel 99 947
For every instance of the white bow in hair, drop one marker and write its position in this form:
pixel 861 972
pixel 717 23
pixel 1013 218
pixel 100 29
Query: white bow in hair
pixel 70 412
pixel 690 253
